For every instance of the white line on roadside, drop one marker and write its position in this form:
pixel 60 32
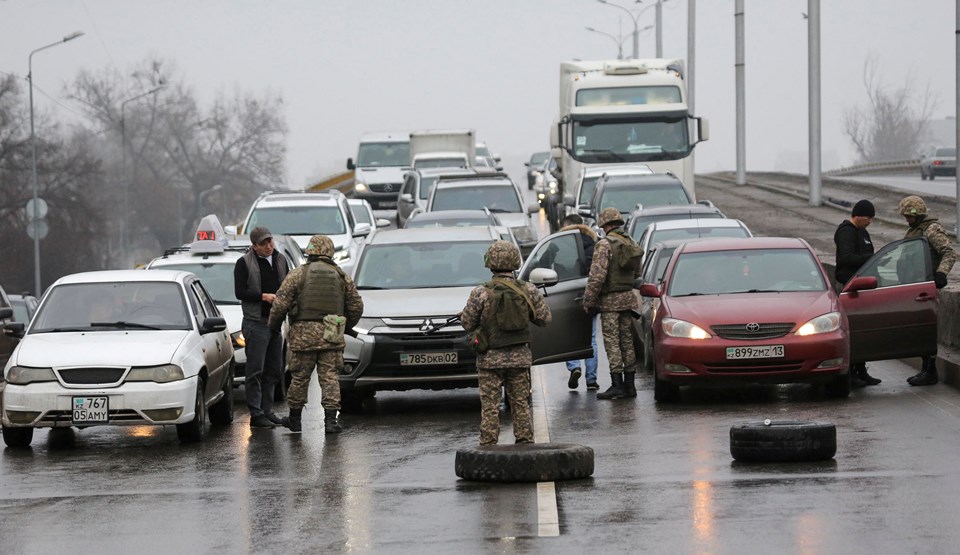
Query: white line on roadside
pixel 548 519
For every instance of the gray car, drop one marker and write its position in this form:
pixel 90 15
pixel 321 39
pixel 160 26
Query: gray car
pixel 940 161
pixel 416 188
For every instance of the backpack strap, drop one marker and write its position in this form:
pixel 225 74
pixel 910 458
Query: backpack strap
pixel 516 289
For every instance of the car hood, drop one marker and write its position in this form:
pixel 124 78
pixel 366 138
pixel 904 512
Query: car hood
pixel 513 219
pixel 383 175
pixel 707 310
pixel 107 348
pixel 396 303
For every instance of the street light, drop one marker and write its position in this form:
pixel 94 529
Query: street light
pixel 33 148
pixel 619 41
pixel 123 166
pixel 203 194
pixel 636 26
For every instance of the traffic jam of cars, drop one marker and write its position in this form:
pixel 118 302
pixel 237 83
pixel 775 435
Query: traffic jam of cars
pixel 163 345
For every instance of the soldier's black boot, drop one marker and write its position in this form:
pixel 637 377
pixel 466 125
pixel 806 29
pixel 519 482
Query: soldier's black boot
pixel 293 422
pixel 615 391
pixel 629 384
pixel 864 377
pixel 856 382
pixel 330 424
pixel 928 374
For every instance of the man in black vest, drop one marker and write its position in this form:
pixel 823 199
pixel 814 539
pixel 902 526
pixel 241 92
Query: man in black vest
pixel 256 278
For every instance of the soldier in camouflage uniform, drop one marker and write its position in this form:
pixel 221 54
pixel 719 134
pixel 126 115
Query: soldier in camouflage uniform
pixel 609 291
pixel 914 211
pixel 323 303
pixel 504 356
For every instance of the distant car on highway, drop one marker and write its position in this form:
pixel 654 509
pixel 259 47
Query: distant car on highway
pixel 586 182
pixel 640 219
pixel 627 193
pixel 533 167
pixel 363 214
pixel 938 161
pixel 416 187
pixel 696 228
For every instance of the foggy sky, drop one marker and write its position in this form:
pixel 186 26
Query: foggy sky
pixel 345 67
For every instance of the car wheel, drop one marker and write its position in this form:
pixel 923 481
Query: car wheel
pixel 351 401
pixel 840 388
pixel 664 391
pixel 221 413
pixel 923 175
pixel 783 441
pixel 192 431
pixel 17 437
pixel 524 462
pixel 930 176
pixel 648 363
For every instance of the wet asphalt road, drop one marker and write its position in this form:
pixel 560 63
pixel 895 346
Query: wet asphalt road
pixel 664 480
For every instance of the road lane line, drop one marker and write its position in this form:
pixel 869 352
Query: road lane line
pixel 548 519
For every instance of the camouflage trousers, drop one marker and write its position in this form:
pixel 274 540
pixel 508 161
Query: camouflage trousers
pixel 617 328
pixel 517 383
pixel 328 364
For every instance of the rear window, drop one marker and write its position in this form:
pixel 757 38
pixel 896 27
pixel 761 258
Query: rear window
pixel 696 233
pixel 498 198
pixel 299 220
pixel 626 199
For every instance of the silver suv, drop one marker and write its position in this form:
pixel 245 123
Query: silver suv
pixel 302 215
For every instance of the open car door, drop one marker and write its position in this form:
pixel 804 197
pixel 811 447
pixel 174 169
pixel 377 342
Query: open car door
pixel 898 318
pixel 567 336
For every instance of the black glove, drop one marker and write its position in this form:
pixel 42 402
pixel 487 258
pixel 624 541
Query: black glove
pixel 940 279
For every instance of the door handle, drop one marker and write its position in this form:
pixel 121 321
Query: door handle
pixel 924 297
pixel 578 299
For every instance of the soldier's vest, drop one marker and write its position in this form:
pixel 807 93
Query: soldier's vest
pixel 512 312
pixel 921 231
pixel 322 289
pixel 624 260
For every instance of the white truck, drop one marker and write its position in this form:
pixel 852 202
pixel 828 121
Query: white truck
pixel 625 112
pixel 382 160
pixel 443 148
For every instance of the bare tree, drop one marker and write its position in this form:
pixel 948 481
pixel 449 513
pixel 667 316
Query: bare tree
pixel 893 123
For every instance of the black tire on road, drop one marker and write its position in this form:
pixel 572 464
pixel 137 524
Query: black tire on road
pixel 525 462
pixel 840 388
pixel 221 413
pixel 17 437
pixel 664 391
pixel 783 441
pixel 192 432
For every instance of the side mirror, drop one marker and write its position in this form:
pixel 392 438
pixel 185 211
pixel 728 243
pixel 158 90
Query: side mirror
pixel 527 164
pixel 706 203
pixel 543 277
pixel 210 325
pixel 568 200
pixel 6 313
pixel 533 207
pixel 230 230
pixel 860 283
pixel 407 198
pixel 350 164
pixel 703 129
pixel 498 168
pixel 14 329
pixel 382 222
pixel 649 290
pixel 362 230
pixel 584 211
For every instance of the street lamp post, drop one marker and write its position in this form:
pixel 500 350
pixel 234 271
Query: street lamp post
pixel 636 25
pixel 33 176
pixel 123 167
pixel 204 194
pixel 619 41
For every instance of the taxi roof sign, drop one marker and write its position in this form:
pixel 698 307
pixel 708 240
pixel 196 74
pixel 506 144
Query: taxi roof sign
pixel 209 237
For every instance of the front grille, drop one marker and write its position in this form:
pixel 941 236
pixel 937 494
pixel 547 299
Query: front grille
pixel 740 331
pixel 120 415
pixel 91 376
pixel 385 187
pixel 754 366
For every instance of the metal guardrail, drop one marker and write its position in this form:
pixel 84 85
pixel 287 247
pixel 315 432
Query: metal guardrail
pixel 876 167
pixel 341 181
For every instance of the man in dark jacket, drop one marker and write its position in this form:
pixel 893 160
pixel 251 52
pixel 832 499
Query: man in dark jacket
pixel 588 238
pixel 853 249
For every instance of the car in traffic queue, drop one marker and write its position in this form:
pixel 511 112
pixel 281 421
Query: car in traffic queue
pixel 461 218
pixel 7 341
pixel 120 348
pixel 490 159
pixel 410 280
pixel 627 193
pixel 212 257
pixel 382 158
pixel 641 218
pixel 763 310
pixel 586 183
pixel 415 190
pixel 695 228
pixel 938 161
pixel 301 215
pixel 24 305
pixel 363 214
pixel 533 167
pixel 495 192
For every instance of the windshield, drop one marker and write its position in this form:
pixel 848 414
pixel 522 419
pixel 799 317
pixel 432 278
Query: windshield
pixel 360 214
pixel 643 140
pixel 299 220
pixel 626 199
pixel 640 223
pixel 419 265
pixel 697 232
pixel 374 155
pixel 217 279
pixel 745 271
pixel 95 307
pixel 498 198
pixel 482 150
pixel 440 163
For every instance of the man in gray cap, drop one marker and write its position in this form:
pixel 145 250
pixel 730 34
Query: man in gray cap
pixel 256 278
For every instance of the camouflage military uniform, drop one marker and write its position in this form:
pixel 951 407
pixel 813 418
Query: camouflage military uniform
pixel 508 366
pixel 308 346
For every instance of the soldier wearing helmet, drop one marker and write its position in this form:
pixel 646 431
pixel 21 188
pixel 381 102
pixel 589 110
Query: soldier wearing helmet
pixel 914 211
pixel 256 278
pixel 498 314
pixel 322 303
pixel 616 263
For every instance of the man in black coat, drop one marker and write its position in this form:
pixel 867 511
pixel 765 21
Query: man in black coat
pixel 853 249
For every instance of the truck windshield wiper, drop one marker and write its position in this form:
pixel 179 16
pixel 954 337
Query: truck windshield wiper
pixel 607 151
pixel 121 324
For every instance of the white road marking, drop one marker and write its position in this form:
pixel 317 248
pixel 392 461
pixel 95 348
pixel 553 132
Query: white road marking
pixel 548 519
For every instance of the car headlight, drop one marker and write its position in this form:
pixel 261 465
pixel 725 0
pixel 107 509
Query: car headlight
pixel 686 330
pixel 341 255
pixel 22 375
pixel 821 324
pixel 238 339
pixel 553 186
pixel 360 187
pixel 523 233
pixel 366 324
pixel 540 196
pixel 159 374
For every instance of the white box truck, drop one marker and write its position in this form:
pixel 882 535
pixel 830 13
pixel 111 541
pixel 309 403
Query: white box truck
pixel 625 112
pixel 382 161
pixel 443 148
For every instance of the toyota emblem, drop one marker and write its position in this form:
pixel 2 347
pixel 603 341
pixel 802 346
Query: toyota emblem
pixel 753 327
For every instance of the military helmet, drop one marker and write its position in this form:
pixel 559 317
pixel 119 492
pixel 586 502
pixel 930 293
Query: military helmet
pixel 609 216
pixel 913 206
pixel 320 245
pixel 502 255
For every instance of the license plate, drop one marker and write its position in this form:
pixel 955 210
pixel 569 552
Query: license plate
pixel 422 359
pixel 383 204
pixel 758 351
pixel 90 410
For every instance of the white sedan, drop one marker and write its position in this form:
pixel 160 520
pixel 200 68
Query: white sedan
pixel 120 348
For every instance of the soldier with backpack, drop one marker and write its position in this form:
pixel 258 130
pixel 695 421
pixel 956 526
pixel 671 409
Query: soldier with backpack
pixel 498 314
pixel 616 262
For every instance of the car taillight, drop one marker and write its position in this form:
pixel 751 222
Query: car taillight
pixel 938 162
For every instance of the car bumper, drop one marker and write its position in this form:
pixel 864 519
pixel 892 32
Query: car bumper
pixel 805 360
pixel 129 405
pixel 943 170
pixel 379 201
